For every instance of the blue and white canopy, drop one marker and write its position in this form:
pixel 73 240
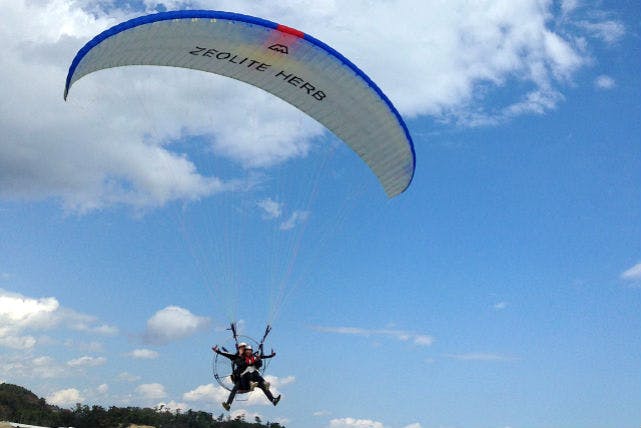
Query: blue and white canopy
pixel 283 61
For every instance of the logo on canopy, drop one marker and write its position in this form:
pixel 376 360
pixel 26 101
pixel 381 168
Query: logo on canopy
pixel 279 48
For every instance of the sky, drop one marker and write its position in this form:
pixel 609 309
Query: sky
pixel 500 290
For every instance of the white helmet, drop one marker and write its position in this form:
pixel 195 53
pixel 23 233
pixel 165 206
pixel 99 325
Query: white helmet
pixel 241 345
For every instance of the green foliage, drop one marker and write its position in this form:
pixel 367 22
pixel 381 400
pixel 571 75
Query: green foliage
pixel 18 404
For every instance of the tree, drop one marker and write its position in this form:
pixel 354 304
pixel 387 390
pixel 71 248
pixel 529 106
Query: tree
pixel 18 404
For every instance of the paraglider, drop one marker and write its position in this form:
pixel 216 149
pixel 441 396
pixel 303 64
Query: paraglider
pixel 283 61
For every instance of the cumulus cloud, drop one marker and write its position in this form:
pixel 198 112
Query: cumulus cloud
pixel 354 423
pixel 209 393
pixel 402 335
pixel 173 323
pixel 143 354
pixel 151 391
pixel 65 397
pixel 19 314
pixel 112 142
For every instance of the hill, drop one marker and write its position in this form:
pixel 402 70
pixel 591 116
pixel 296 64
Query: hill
pixel 18 404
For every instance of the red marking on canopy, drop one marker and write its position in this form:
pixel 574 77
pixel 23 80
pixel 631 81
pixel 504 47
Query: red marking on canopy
pixel 290 30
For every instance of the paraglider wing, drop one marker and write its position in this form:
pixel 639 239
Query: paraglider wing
pixel 286 62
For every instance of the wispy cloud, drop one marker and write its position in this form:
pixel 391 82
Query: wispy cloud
pixel 296 218
pixel 604 82
pixel 127 377
pixel 402 335
pixel 29 368
pixel 481 356
pixel 500 306
pixel 87 361
pixel 143 354
pixel 609 31
pixel 633 275
pixel 271 208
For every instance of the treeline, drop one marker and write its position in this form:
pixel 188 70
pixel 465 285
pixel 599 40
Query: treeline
pixel 18 404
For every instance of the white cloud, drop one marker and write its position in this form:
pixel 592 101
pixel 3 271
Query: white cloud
pixel 92 346
pixel 500 305
pixel 29 367
pixel 65 397
pixel 402 335
pixel 271 208
pixel 632 274
pixel 173 323
pixel 87 361
pixel 101 149
pixel 172 406
pixel 151 391
pixel 127 377
pixel 604 82
pixel 277 382
pixel 296 218
pixel 103 388
pixel 608 31
pixel 209 393
pixel 354 423
pixel 481 356
pixel 26 311
pixel 568 6
pixel 16 342
pixel 19 314
pixel 144 354
pixel 414 425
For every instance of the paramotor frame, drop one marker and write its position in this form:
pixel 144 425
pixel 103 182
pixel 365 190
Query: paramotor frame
pixel 222 367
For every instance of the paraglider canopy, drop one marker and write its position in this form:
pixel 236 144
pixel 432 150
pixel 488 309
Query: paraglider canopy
pixel 283 61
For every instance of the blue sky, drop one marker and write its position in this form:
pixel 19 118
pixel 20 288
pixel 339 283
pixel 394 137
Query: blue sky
pixel 500 290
